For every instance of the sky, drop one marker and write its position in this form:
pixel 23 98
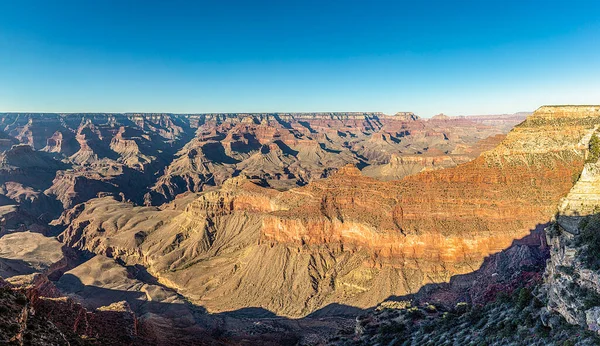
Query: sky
pixel 428 57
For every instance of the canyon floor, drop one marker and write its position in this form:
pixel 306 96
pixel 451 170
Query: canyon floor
pixel 292 228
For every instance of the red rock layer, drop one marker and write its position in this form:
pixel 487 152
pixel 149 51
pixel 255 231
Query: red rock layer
pixel 456 214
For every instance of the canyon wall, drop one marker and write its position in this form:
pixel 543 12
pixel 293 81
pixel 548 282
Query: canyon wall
pixel 347 240
pixel 572 274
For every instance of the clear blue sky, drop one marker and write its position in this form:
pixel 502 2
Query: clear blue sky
pixel 456 57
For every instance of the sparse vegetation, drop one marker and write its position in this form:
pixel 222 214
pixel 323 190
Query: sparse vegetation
pixel 513 319
pixel 553 230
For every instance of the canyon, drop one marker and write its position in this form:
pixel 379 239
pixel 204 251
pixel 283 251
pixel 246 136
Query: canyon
pixel 233 228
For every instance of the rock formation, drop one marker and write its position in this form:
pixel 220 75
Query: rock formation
pixel 573 271
pixel 347 239
pixel 216 227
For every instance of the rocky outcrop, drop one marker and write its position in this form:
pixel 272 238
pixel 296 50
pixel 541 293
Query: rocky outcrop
pixel 572 272
pixel 35 313
pixel 19 325
pixel 65 159
pixel 401 166
pixel 504 193
pixel 62 142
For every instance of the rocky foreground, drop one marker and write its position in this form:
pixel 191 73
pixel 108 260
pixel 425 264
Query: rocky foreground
pixel 283 228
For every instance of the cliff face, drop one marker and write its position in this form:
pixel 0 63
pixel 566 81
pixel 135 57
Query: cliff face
pixel 573 272
pixel 348 239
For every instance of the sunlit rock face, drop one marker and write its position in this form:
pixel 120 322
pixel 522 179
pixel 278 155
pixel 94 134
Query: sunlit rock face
pixel 348 239
pixel 476 208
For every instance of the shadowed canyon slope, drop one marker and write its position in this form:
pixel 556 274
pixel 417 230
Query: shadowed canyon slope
pixel 349 238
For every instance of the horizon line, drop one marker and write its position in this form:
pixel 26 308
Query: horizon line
pixel 281 112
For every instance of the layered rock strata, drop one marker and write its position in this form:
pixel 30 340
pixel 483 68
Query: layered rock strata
pixel 573 272
pixel 347 239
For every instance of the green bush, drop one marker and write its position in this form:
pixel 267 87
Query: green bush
pixel 461 308
pixel 567 270
pixel 524 298
pixel 21 299
pixel 590 298
pixel 502 298
pixel 594 149
pixel 415 313
pixel 554 230
pixel 430 308
pixel 575 177
pixel 589 240
pixel 392 328
pixel 474 315
pixel 538 304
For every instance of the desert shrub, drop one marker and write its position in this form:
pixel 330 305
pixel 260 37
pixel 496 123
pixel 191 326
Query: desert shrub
pixel 538 304
pixel 566 270
pixel 509 329
pixel 415 313
pixel 589 240
pixel 594 149
pixel 482 322
pixel 218 332
pixel 542 330
pixel 21 299
pixel 392 328
pixel 429 327
pixel 590 298
pixel 553 230
pixel 502 298
pixel 5 290
pixel 575 177
pixel 13 328
pixel 529 320
pixel 474 315
pixel 430 308
pixel 392 332
pixel 461 308
pixel 289 339
pixel 524 298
